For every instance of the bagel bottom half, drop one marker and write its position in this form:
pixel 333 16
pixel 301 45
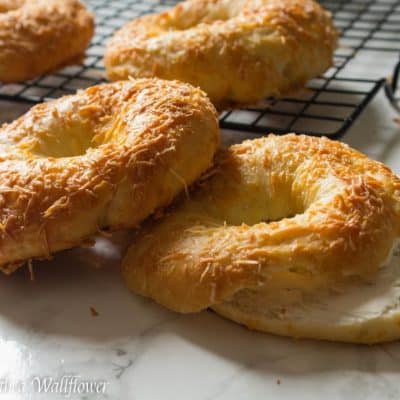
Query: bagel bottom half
pixel 288 235
pixel 355 311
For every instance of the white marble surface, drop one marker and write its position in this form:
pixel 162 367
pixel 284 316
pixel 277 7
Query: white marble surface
pixel 135 349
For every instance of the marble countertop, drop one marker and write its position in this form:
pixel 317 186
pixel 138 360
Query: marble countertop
pixel 77 328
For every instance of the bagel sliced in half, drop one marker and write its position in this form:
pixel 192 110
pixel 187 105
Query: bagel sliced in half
pixel 356 310
pixel 286 234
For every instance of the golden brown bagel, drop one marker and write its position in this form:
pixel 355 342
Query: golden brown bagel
pixel 106 157
pixel 235 50
pixel 39 36
pixel 281 223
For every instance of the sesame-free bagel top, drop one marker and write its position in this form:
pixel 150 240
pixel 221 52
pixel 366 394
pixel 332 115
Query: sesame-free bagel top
pixel 237 51
pixel 106 157
pixel 39 36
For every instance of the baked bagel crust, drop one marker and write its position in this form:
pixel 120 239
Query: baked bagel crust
pixel 39 36
pixel 236 50
pixel 279 219
pixel 106 157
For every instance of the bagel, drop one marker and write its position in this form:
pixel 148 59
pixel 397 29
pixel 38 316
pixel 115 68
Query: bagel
pixel 104 158
pixel 281 227
pixel 237 51
pixel 39 36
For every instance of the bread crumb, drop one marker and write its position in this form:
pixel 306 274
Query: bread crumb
pixel 94 312
pixel 30 268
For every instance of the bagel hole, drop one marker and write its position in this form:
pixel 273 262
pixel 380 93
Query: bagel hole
pixel 266 218
pixel 72 142
pixel 256 206
pixel 252 194
pixel 218 12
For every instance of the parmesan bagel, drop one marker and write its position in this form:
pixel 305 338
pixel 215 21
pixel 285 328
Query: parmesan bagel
pixel 279 225
pixel 105 158
pixel 39 36
pixel 237 51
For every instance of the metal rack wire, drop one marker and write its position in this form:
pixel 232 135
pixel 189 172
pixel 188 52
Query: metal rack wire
pixel 392 88
pixel 328 106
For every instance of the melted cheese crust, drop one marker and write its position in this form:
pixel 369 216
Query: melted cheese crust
pixel 39 36
pixel 237 51
pixel 105 158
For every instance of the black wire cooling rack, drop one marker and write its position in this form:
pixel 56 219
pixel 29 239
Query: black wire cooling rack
pixel 328 106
